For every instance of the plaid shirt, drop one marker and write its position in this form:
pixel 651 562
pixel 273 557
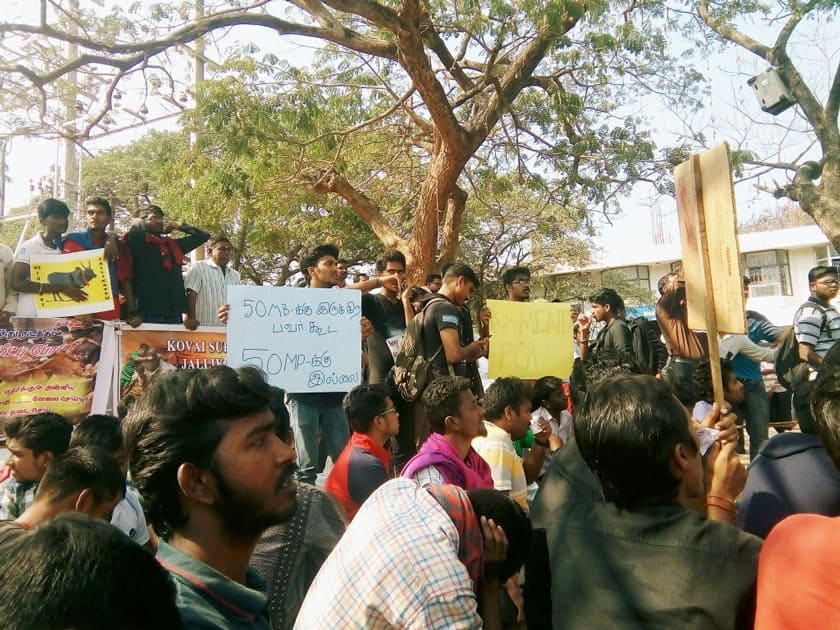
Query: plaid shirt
pixel 16 497
pixel 396 566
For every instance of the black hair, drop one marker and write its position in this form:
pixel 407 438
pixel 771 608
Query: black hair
pixel 504 392
pixel 432 277
pixel 216 239
pixel 510 516
pixel 362 404
pixel 101 431
pixel 181 418
pixel 82 468
pixel 825 410
pixel 820 271
pixel 747 281
pixel 442 398
pixel 704 388
pixel 152 209
pixel 544 388
pixel 101 202
pixel 510 274
pixel 460 270
pixel 392 255
pixel 358 277
pixel 598 366
pixel 282 420
pixel 608 297
pixel 52 207
pixel 85 574
pixel 627 429
pixel 41 432
pixel 664 281
pixel 311 258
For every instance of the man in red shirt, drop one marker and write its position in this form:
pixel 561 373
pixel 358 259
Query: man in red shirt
pixel 363 464
pixel 98 216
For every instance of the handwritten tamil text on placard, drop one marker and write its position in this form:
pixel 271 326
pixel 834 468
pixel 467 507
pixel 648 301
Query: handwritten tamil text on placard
pixel 304 340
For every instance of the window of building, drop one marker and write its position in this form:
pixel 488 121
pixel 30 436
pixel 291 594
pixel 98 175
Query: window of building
pixel 769 273
pixel 640 276
pixel 827 256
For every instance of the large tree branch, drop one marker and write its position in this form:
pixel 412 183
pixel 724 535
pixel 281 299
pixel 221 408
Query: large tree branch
pixel 730 33
pixel 516 77
pixel 326 181
pixel 455 207
pixel 373 12
pixel 413 59
pixel 832 105
pixel 338 35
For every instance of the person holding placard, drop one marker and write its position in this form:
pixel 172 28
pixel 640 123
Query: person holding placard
pixel 53 215
pixel 98 216
pixel 318 412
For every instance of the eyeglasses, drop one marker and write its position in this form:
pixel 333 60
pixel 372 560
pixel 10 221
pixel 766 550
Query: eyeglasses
pixel 522 283
pixel 828 283
pixel 389 410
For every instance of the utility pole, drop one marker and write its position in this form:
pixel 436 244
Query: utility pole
pixel 69 188
pixel 199 78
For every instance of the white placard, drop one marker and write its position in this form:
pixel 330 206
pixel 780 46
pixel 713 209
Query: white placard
pixel 304 340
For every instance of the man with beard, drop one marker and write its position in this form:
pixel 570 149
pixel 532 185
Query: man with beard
pixel 214 475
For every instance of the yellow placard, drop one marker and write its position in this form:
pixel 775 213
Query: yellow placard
pixel 84 270
pixel 530 339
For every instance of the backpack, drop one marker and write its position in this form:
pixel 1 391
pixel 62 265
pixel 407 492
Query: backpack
pixel 648 349
pixel 411 367
pixel 791 370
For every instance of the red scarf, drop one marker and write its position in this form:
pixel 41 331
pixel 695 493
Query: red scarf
pixel 169 250
pixel 470 541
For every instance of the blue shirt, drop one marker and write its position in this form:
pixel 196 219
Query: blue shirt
pixel 759 329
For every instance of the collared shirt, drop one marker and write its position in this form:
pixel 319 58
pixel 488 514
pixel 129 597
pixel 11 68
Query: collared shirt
pixel 209 599
pixel 817 324
pixel 360 469
pixel 505 465
pixel 396 566
pixel 210 283
pixel 16 497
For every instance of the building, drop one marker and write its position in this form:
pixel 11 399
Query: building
pixel 777 262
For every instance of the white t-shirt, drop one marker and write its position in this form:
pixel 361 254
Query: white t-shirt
pixel 128 517
pixel 562 428
pixel 35 246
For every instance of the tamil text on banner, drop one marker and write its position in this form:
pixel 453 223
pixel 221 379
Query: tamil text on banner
pixel 84 270
pixel 530 339
pixel 304 340
pixel 49 365
pixel 151 350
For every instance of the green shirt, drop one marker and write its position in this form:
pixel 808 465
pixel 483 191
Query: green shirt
pixel 209 599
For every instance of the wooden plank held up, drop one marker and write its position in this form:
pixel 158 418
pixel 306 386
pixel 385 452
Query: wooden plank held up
pixel 710 255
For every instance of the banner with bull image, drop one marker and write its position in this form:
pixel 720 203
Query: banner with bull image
pixel 49 365
pixel 154 349
pixel 84 271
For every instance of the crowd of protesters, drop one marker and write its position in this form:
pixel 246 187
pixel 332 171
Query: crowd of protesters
pixel 616 499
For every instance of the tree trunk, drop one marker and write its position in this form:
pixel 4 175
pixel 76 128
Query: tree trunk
pixel 438 187
pixel 822 201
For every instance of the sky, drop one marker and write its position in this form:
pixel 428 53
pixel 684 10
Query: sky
pixel 731 114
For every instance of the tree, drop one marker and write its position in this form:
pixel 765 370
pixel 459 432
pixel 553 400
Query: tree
pixel 534 88
pixel 814 184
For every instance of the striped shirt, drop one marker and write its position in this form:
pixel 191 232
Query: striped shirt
pixel 210 282
pixel 396 566
pixel 505 465
pixel 817 325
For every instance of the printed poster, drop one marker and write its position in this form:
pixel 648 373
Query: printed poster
pixel 154 349
pixel 85 270
pixel 49 365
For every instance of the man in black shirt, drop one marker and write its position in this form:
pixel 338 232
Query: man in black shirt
pixel 607 307
pixel 155 292
pixel 448 335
